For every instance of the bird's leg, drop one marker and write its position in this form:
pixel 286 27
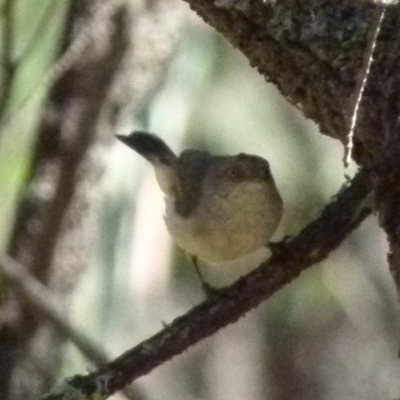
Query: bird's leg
pixel 208 290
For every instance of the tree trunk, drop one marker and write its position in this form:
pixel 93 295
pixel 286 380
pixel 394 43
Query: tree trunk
pixel 55 226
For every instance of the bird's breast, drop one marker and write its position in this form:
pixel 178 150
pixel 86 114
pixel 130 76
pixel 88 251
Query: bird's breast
pixel 227 225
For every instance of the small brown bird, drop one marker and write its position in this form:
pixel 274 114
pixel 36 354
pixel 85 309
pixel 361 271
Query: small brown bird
pixel 220 209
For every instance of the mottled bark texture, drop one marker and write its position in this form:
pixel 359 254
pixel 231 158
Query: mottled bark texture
pixel 55 225
pixel 387 200
pixel 313 51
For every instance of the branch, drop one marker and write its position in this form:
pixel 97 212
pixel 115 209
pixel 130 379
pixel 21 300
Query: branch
pixel 388 205
pixel 47 305
pixel 339 218
pixel 314 51
pixel 44 301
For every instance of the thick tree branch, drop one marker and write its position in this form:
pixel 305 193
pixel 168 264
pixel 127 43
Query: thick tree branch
pixel 348 209
pixel 388 205
pixel 313 51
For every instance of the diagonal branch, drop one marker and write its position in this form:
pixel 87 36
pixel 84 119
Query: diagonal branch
pixel 314 51
pixel 47 305
pixel 44 301
pixel 339 218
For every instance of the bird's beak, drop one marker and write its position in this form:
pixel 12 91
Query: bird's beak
pixel 123 138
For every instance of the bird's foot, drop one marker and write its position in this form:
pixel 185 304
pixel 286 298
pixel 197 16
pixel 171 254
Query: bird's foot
pixel 211 292
pixel 279 247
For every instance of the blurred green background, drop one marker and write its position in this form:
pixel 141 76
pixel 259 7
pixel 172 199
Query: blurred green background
pixel 29 43
pixel 331 334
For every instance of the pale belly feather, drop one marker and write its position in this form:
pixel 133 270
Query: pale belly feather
pixel 226 228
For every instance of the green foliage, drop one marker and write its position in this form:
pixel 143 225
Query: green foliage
pixel 33 45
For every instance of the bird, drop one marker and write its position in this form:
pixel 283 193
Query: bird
pixel 221 209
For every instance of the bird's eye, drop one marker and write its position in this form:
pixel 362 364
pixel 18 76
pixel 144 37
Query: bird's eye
pixel 234 172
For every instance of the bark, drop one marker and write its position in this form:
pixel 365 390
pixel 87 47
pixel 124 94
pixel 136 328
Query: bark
pixel 314 51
